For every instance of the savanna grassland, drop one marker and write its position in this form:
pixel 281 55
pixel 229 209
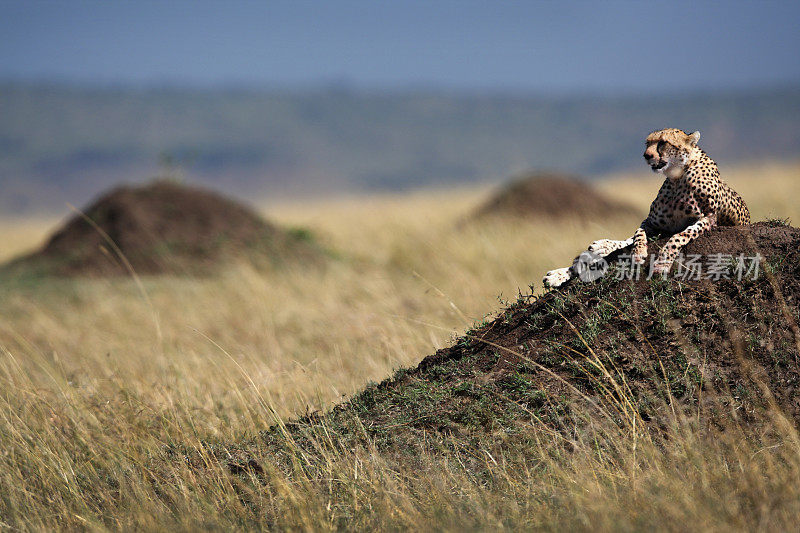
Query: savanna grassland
pixel 102 380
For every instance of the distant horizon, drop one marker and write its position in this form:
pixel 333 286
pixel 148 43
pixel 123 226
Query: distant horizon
pixel 333 87
pixel 58 140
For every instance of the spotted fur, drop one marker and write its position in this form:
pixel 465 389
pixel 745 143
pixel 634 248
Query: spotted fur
pixel 692 199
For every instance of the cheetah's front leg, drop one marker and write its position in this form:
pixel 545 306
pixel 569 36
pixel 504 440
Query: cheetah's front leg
pixel 601 248
pixel 679 240
pixel 639 252
pixel 558 277
pixel 606 247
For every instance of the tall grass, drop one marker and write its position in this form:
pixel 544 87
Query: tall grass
pixel 109 401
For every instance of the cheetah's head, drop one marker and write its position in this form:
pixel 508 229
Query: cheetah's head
pixel 668 150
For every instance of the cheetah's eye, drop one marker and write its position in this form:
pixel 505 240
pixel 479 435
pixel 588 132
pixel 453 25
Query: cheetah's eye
pixel 660 146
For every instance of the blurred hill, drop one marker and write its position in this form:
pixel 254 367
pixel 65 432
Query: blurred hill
pixel 63 143
pixel 160 228
pixel 551 195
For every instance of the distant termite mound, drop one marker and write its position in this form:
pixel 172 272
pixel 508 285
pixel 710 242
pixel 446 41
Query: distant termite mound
pixel 551 195
pixel 164 227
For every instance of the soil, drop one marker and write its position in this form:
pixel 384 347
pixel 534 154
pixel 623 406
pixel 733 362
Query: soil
pixel 163 227
pixel 551 195
pixel 589 353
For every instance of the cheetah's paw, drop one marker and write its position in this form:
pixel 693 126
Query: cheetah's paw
pixel 556 278
pixel 603 247
pixel 639 255
pixel 662 267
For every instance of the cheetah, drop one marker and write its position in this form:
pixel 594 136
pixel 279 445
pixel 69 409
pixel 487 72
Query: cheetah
pixel 692 199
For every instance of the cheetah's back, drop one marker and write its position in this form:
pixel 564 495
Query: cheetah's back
pixel 733 211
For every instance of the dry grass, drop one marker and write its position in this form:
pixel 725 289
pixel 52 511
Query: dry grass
pixel 98 379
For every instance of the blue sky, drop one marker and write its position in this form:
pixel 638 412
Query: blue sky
pixel 519 46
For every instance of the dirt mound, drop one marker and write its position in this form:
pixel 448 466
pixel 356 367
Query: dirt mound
pixel 162 227
pixel 611 352
pixel 551 195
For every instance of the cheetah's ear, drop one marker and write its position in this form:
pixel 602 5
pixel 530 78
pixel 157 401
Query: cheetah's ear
pixel 694 137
